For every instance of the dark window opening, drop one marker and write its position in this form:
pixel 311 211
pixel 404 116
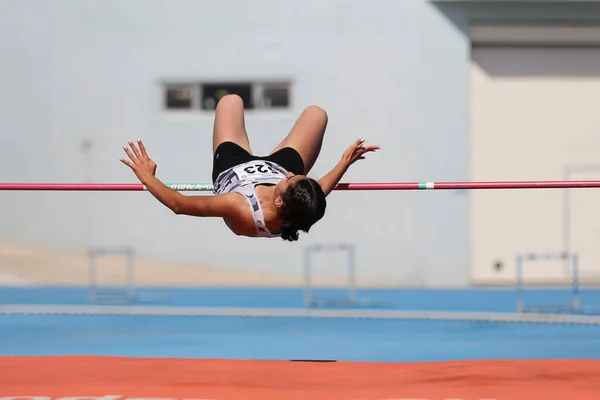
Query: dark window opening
pixel 178 98
pixel 275 97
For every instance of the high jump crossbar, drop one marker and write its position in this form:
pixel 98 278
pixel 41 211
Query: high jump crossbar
pixel 207 187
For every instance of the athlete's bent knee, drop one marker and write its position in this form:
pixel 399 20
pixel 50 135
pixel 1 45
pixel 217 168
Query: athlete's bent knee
pixel 316 112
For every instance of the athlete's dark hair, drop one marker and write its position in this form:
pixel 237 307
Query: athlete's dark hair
pixel 303 205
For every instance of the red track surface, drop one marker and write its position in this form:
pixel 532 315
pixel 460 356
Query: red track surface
pixel 119 378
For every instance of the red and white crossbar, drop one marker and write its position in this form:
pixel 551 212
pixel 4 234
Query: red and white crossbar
pixel 207 187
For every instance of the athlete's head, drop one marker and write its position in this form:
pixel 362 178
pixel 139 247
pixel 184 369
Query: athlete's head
pixel 301 203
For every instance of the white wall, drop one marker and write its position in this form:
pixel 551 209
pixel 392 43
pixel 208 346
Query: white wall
pixel 533 114
pixel 393 72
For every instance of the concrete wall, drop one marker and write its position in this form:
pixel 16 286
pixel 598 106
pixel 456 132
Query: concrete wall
pixel 394 72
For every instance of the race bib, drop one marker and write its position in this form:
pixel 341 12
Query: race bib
pixel 257 169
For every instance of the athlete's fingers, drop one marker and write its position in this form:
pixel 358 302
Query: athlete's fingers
pixel 131 156
pixel 368 149
pixel 124 161
pixel 142 147
pixel 135 149
pixel 356 144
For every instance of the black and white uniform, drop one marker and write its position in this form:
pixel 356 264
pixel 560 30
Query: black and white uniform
pixel 237 171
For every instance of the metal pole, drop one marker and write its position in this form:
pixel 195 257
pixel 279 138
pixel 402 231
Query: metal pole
pixel 576 294
pixel 130 275
pixel 307 278
pixel 519 284
pixel 567 216
pixel 92 275
pixel 352 273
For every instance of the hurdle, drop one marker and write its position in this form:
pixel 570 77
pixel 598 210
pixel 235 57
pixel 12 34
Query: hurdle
pixel 125 294
pixel 96 294
pixel 349 249
pixel 571 259
pixel 350 299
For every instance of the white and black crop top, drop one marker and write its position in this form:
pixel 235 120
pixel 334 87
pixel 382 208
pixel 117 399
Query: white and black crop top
pixel 243 179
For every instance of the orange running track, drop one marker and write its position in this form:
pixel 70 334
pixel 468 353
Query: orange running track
pixel 120 378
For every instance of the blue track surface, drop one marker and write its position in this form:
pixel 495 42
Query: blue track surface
pixel 488 300
pixel 296 338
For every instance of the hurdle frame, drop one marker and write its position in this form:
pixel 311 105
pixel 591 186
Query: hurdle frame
pixel 350 249
pixel 95 294
pixel 130 294
pixel 568 171
pixel 573 257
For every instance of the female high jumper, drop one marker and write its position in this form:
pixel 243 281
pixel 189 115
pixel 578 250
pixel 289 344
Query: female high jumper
pixel 268 196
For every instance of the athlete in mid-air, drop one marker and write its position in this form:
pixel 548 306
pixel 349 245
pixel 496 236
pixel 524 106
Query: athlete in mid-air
pixel 268 196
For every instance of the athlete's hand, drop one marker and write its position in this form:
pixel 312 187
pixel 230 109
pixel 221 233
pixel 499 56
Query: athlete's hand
pixel 357 152
pixel 140 163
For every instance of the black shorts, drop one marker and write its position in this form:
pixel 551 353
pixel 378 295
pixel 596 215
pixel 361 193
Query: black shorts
pixel 229 154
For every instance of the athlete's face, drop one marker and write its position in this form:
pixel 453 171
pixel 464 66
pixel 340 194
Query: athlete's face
pixel 284 184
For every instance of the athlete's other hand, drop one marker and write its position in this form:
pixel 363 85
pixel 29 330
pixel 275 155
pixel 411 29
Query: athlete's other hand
pixel 357 152
pixel 140 163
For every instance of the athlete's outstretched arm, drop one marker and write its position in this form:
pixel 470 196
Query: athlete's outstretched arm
pixel 199 206
pixel 354 153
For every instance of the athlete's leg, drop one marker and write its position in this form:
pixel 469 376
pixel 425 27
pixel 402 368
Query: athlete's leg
pixel 306 136
pixel 229 125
